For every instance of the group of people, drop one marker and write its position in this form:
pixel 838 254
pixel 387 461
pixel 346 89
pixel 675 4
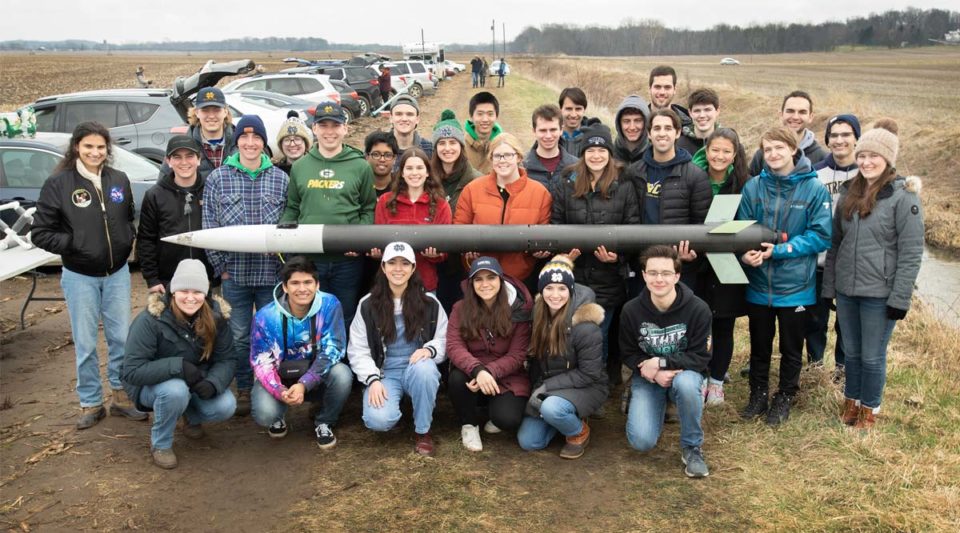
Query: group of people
pixel 522 341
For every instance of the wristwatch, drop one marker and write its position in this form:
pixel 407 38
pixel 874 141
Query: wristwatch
pixel 663 362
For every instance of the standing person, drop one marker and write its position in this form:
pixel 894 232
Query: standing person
pixel 725 162
pixel 404 119
pixel 294 140
pixel 397 340
pixel 482 129
pixel 246 189
pixel 787 197
pixel 545 159
pixel 631 121
pixel 385 82
pixel 704 106
pixel 180 360
pixel 593 193
pixel 450 166
pixel 380 149
pixel 487 341
pixel 506 196
pixel 212 127
pixel 333 184
pixel 663 89
pixel 796 113
pixel 85 215
pixel 839 167
pixel 476 67
pixel 566 367
pixel 416 197
pixel 170 207
pixel 297 349
pixel 879 221
pixel 484 67
pixel 502 73
pixel 573 108
pixel 665 340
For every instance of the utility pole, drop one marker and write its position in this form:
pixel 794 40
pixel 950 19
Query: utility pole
pixel 423 46
pixel 504 41
pixel 493 48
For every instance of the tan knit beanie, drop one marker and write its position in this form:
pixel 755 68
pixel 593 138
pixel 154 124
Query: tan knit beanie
pixel 881 140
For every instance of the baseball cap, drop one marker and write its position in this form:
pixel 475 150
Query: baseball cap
pixel 209 96
pixel 485 263
pixel 182 141
pixel 328 111
pixel 398 249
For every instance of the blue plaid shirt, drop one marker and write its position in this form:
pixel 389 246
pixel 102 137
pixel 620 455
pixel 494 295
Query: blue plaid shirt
pixel 234 196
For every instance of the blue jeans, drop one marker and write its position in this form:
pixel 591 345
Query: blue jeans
pixel 243 299
pixel 476 79
pixel 342 279
pixel 91 299
pixel 172 399
pixel 556 415
pixel 420 381
pixel 649 402
pixel 866 333
pixel 331 394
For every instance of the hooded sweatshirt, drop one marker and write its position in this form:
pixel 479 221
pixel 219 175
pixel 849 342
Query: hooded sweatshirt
pixel 681 334
pixel 656 172
pixel 621 151
pixel 833 176
pixel 478 150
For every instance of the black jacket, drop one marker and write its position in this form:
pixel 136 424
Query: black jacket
pixel 685 195
pixel 572 145
pixel 608 280
pixel 206 166
pixel 168 210
pixel 92 231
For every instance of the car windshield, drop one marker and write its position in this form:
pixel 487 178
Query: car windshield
pixel 135 167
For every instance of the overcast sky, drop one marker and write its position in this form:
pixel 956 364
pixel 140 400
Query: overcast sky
pixel 126 21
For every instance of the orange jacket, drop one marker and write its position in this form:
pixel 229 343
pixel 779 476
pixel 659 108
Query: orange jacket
pixel 529 202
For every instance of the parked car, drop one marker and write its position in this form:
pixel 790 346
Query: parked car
pixel 315 88
pixel 140 120
pixel 272 108
pixel 349 100
pixel 454 66
pixel 414 76
pixel 495 68
pixel 362 79
pixel 729 61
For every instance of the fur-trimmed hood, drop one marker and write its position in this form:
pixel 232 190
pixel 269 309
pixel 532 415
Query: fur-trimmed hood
pixel 157 303
pixel 913 184
pixel 584 308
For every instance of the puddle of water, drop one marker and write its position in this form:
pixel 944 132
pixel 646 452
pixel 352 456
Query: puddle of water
pixel 939 284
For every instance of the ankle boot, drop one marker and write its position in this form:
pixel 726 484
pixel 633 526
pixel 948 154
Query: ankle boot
pixel 577 444
pixel 866 419
pixel 757 406
pixel 851 411
pixel 122 406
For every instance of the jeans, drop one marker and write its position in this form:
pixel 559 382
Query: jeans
pixel 91 299
pixel 648 404
pixel 866 333
pixel 763 325
pixel 342 279
pixel 420 381
pixel 171 399
pixel 332 393
pixel 476 79
pixel 556 415
pixel 243 299
pixel 505 410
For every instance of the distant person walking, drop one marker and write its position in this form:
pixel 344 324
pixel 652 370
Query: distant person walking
pixel 483 72
pixel 502 72
pixel 476 68
pixel 385 84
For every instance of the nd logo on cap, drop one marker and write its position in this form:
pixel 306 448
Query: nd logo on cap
pixel 328 109
pixel 209 96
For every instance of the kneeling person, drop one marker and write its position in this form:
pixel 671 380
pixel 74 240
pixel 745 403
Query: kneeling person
pixel 179 360
pixel 665 339
pixel 397 339
pixel 296 346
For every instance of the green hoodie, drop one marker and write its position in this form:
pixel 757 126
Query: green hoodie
pixel 234 161
pixel 700 159
pixel 468 126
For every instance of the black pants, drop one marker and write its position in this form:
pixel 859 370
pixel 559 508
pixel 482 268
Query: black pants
pixel 763 326
pixel 505 410
pixel 722 346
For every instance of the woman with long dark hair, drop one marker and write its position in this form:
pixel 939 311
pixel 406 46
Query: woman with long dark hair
pixel 487 341
pixel 179 360
pixel 397 339
pixel 872 265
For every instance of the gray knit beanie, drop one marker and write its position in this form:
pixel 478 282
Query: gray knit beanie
pixel 881 140
pixel 190 275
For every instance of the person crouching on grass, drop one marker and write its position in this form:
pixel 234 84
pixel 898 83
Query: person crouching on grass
pixel 566 365
pixel 397 339
pixel 179 360
pixel 665 339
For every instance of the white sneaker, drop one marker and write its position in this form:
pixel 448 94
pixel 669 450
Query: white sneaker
pixel 471 438
pixel 491 428
pixel 713 395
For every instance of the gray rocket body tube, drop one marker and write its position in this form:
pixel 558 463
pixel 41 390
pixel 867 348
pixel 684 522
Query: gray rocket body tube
pixel 319 238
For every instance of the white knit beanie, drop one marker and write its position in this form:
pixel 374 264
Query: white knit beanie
pixel 190 275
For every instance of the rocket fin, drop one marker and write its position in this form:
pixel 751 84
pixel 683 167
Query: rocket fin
pixel 732 227
pixel 723 209
pixel 727 268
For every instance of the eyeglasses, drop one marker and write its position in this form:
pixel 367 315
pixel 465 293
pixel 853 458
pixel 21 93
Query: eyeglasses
pixel 654 274
pixel 293 139
pixel 386 156
pixel 504 157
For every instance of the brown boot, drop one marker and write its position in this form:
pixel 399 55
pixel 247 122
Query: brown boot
pixel 122 406
pixel 851 411
pixel 89 416
pixel 867 419
pixel 577 444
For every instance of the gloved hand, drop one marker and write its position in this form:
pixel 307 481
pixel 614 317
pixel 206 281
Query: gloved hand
pixel 205 390
pixel 191 374
pixel 535 401
pixel 896 314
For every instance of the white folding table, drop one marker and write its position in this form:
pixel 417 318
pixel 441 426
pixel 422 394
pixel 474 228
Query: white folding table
pixel 15 261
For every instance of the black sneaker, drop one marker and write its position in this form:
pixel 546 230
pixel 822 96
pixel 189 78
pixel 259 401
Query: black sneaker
pixel 779 409
pixel 325 437
pixel 757 405
pixel 693 458
pixel 278 429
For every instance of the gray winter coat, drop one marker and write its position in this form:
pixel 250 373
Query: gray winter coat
pixel 878 256
pixel 578 376
pixel 536 170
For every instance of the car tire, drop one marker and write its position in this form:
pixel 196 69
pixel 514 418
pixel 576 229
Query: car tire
pixel 365 106
pixel 415 90
pixel 348 115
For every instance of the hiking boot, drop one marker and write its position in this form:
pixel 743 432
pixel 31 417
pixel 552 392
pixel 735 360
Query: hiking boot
pixel 326 440
pixel 122 406
pixel 89 416
pixel 491 428
pixel 839 374
pixel 779 410
pixel 692 457
pixel 423 444
pixel 713 395
pixel 278 429
pixel 243 403
pixel 164 458
pixel 193 431
pixel 851 412
pixel 757 405
pixel 867 419
pixel 577 444
pixel 470 436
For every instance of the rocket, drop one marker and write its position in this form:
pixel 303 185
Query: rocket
pixel 718 237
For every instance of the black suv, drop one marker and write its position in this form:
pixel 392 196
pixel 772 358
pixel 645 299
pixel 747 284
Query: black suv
pixel 364 80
